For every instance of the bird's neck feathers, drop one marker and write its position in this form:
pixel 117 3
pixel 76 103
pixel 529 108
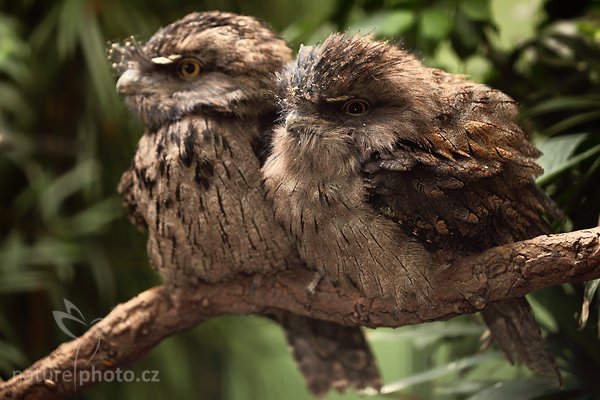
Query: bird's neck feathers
pixel 300 180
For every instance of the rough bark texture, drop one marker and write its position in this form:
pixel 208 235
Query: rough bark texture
pixel 468 285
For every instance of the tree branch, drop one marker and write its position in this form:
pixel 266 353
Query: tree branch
pixel 132 329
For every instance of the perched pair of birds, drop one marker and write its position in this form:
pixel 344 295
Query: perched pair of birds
pixel 380 167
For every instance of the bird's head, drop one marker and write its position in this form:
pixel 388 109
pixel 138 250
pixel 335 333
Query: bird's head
pixel 204 63
pixel 352 96
pixel 352 100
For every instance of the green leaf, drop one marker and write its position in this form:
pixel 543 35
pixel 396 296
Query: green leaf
pixel 525 389
pixel 435 23
pixel 67 26
pixel 71 182
pixel 557 151
pixel 45 30
pixel 11 356
pixel 385 23
pixel 516 21
pixel 397 22
pixel 543 315
pixel 92 44
pixel 466 36
pixel 11 99
pixel 320 34
pixel 571 122
pixel 424 335
pixel 95 217
pixel 51 250
pixel 439 372
pixel 547 177
pixel 26 281
pixel 477 9
pixel 563 103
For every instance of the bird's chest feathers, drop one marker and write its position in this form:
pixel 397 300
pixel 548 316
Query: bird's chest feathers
pixel 203 203
pixel 318 207
pixel 181 176
pixel 314 190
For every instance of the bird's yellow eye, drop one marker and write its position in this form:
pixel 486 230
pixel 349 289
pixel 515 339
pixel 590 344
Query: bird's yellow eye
pixel 356 107
pixel 189 68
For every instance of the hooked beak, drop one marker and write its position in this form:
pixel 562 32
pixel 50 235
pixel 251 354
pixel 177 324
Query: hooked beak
pixel 132 81
pixel 129 82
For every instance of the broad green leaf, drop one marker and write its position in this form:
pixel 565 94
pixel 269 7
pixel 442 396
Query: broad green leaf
pixel 557 151
pixel 543 315
pixel 435 23
pixel 476 9
pixel 397 22
pixel 385 23
pixel 320 34
pixel 516 21
pixel 547 177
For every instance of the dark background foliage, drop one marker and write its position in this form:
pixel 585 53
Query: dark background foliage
pixel 65 137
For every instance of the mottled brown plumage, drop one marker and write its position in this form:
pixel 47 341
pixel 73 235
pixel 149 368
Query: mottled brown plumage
pixel 203 88
pixel 385 167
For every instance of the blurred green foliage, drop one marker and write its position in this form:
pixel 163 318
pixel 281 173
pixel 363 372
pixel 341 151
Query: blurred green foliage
pixel 65 138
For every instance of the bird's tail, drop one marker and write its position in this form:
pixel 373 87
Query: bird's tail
pixel 330 355
pixel 515 330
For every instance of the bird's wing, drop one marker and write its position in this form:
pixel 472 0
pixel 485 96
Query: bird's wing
pixel 468 181
pixel 467 185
